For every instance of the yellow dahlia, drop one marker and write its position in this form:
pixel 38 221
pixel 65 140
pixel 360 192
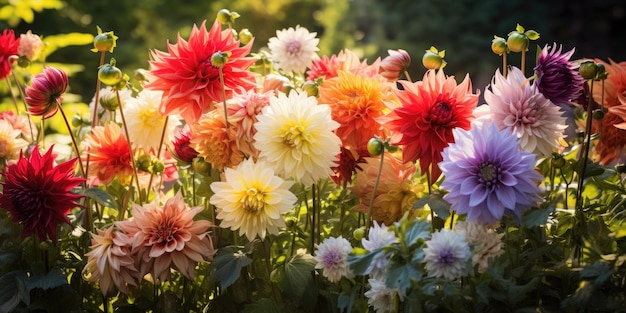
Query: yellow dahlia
pixel 252 199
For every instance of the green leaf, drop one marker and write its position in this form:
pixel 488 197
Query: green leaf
pixel 536 216
pixel 600 271
pixel 400 274
pixel 345 302
pixel 414 230
pixel 56 42
pixel 264 305
pixel 227 264
pixel 13 290
pixel 360 259
pixel 436 203
pixel 53 279
pixel 519 28
pixel 102 197
pixel 297 274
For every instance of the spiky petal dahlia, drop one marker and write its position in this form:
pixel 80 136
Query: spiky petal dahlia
pixel 36 192
pixel 295 136
pixel 189 81
pixel 45 94
pixel 524 111
pixel 169 236
pixel 487 175
pixel 108 154
pixel 557 77
pixel 430 110
pixel 252 199
pixel 8 48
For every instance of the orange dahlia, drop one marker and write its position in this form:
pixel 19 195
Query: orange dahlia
pixel 612 142
pixel 36 192
pixel 189 81
pixel 430 110
pixel 108 154
pixel 356 102
pixel 347 61
pixel 215 142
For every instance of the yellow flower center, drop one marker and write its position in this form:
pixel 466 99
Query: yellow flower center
pixel 253 202
pixel 150 117
pixel 294 136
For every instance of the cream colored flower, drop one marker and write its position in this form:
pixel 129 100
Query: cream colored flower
pixel 10 143
pixel 294 49
pixel 295 136
pixel 145 123
pixel 252 199
pixel 30 46
pixel 485 242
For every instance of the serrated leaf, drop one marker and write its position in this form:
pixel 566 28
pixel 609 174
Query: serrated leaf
pixel 227 264
pixel 102 197
pixel 360 259
pixel 400 274
pixel 264 305
pixel 296 275
pixel 418 229
pixel 436 203
pixel 531 34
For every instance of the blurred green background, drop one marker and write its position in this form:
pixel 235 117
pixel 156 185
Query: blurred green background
pixel 463 28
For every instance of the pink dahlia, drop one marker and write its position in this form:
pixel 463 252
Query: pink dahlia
pixel 8 48
pixel 45 94
pixel 167 236
pixel 36 192
pixel 189 81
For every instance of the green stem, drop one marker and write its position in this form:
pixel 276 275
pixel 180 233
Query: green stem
pixel 224 97
pixel 74 143
pixel 376 182
pixel 158 154
pixel 130 150
pixel 94 118
pixel 585 152
pixel 19 88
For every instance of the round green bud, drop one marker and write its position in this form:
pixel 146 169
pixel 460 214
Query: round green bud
pixel 245 36
pixel 157 166
pixel 23 62
pixel 109 75
pixel 104 42
pixel 226 17
pixel 375 146
pixel 144 163
pixel 517 42
pixel 77 121
pixel 558 161
pixel 601 72
pixel 291 222
pixel 498 45
pixel 359 233
pixel 588 69
pixel 432 60
pixel 310 87
pixel 598 114
pixel 200 166
pixel 219 59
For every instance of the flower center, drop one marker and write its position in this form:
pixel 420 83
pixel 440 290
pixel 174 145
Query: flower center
pixel 294 136
pixel 331 259
pixel 165 233
pixel 441 113
pixel 488 174
pixel 253 202
pixel 445 257
pixel 151 117
pixel 294 47
pixel 206 72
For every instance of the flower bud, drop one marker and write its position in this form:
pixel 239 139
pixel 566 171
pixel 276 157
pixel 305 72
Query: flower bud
pixel 588 69
pixel 517 42
pixel 157 166
pixel 77 121
pixel 598 114
pixel 498 45
pixel 140 75
pixel 23 62
pixel 200 166
pixel 104 41
pixel 245 36
pixel 601 72
pixel 219 59
pixel 310 87
pixel 558 161
pixel 144 163
pixel 109 75
pixel 226 17
pixel 433 59
pixel 291 222
pixel 375 146
pixel 359 233
pixel 394 65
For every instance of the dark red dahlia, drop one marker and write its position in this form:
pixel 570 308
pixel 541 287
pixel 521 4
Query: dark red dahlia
pixel 182 151
pixel 8 48
pixel 557 77
pixel 36 192
pixel 45 93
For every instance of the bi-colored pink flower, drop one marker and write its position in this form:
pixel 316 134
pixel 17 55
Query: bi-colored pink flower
pixel 45 93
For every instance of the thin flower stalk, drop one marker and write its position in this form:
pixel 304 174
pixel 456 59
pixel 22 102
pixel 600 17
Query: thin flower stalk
pixel 74 143
pixel 94 118
pixel 130 150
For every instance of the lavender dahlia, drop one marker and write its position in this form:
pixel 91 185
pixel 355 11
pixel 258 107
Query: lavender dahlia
pixel 447 254
pixel 556 76
pixel 487 175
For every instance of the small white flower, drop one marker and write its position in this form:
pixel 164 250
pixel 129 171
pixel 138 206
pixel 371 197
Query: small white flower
pixel 332 257
pixel 486 243
pixel 380 297
pixel 446 255
pixel 379 237
pixel 294 49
